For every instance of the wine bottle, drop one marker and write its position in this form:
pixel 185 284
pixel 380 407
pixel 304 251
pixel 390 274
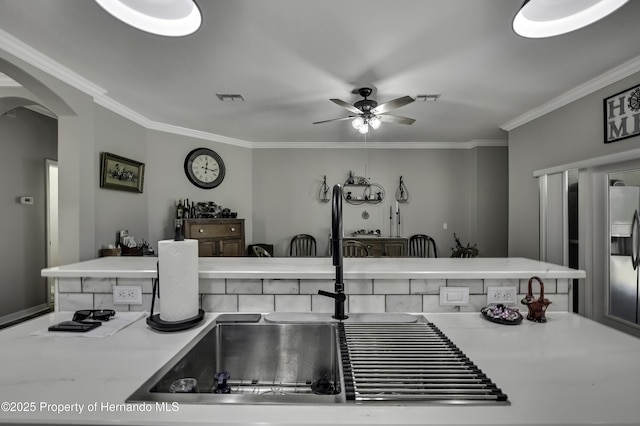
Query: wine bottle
pixel 180 209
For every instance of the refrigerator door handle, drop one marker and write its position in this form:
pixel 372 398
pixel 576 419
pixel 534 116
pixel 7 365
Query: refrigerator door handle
pixel 634 240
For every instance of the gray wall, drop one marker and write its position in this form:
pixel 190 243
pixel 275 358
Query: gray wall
pixel 165 182
pixel 442 184
pixel 571 133
pixel 26 141
pixel 275 190
pixel 492 203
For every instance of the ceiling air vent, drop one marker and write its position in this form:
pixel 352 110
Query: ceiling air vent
pixel 427 98
pixel 229 97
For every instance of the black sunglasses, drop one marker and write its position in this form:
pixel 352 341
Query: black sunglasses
pixel 96 314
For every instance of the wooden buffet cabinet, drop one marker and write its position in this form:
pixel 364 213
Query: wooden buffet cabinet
pixel 384 246
pixel 217 237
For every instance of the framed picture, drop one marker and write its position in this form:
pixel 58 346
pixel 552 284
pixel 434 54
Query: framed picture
pixel 120 173
pixel 621 115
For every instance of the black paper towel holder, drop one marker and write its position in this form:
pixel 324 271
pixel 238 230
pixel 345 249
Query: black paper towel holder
pixel 158 324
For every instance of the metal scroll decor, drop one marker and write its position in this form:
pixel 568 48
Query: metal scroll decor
pixel 622 115
pixel 360 190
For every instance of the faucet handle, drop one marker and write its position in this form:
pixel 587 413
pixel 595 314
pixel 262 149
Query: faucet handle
pixel 340 297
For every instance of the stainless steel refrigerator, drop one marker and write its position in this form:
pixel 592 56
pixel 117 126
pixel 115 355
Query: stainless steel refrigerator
pixel 624 204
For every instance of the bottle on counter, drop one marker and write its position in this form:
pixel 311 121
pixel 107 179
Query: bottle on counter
pixel 179 209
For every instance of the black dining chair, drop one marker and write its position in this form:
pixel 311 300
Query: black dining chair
pixel 353 248
pixel 421 245
pixel 303 245
pixel 261 252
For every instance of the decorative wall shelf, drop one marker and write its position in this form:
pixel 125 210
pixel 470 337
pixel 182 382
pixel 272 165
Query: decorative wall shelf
pixel 360 190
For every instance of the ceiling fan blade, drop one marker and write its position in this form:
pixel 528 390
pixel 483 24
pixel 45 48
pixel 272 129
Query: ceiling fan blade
pixel 333 119
pixel 388 106
pixel 395 119
pixel 346 106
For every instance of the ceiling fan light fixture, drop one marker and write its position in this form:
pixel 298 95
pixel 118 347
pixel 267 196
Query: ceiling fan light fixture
pixel 375 122
pixel 357 123
pixel 364 129
pixel 548 18
pixel 171 18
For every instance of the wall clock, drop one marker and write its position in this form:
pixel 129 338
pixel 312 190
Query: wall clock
pixel 204 168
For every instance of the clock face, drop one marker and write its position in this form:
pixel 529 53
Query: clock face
pixel 204 168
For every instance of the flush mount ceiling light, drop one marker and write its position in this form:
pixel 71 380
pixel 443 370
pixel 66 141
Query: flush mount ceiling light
pixel 548 18
pixel 172 18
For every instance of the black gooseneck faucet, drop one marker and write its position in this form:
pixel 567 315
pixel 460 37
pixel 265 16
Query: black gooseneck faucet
pixel 336 250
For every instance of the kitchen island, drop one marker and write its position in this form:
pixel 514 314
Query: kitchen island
pixel 568 371
pixel 260 284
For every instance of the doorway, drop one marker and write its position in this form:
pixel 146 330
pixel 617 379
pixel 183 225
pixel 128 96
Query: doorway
pixel 51 173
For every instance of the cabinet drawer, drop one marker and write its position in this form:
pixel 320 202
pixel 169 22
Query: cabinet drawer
pixel 216 230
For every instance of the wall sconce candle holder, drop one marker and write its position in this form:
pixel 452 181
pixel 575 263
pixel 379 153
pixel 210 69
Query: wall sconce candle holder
pixel 402 193
pixel 324 190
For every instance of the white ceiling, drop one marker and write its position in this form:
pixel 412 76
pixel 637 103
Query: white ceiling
pixel 288 57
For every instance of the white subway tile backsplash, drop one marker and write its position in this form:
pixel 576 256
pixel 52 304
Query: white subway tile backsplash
pixel 145 283
pixel 69 285
pixel 559 303
pixel 324 304
pixel 292 295
pixel 476 302
pixel 403 303
pixel 212 285
pixel 429 286
pixel 562 285
pixel 358 286
pixel 366 303
pixel 248 286
pixel 500 283
pixel 75 301
pixel 98 285
pixel 390 286
pixel 105 301
pixel 256 303
pixel 312 286
pixel 146 305
pixel 293 303
pixel 475 286
pixel 280 286
pixel 431 303
pixel 549 286
pixel 220 303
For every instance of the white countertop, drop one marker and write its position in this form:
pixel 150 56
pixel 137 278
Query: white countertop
pixel 569 371
pixel 322 268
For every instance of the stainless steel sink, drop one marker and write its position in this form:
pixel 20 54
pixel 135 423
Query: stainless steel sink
pixel 267 363
pixel 407 362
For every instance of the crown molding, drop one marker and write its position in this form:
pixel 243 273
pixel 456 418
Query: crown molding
pixel 612 76
pixel 380 145
pixel 23 51
pixel 37 59
pixel 183 131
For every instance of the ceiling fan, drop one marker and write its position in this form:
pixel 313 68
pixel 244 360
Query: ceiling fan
pixel 369 114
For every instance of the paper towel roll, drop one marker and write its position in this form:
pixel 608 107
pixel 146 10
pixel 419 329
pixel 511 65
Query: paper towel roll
pixel 178 279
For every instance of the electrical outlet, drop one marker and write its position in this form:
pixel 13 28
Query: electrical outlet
pixel 504 295
pixel 127 295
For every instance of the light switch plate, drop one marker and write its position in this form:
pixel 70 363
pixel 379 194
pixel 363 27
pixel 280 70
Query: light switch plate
pixel 454 296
